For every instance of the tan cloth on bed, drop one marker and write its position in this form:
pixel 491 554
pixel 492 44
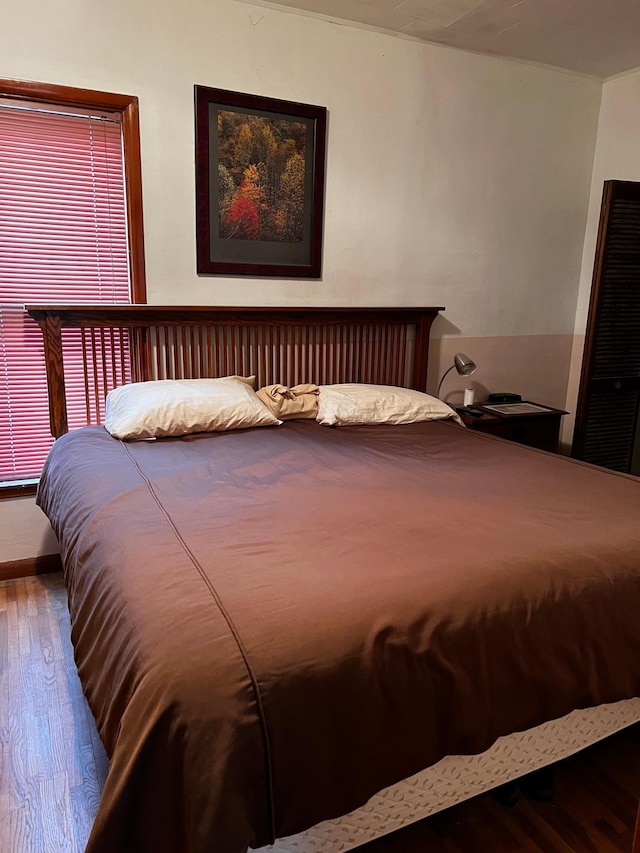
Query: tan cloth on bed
pixel 301 401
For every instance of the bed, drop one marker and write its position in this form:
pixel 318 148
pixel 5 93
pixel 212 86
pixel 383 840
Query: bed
pixel 273 625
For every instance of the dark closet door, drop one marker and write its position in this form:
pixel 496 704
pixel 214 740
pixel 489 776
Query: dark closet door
pixel 606 431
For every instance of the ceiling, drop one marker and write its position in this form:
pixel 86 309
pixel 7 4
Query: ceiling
pixel 598 37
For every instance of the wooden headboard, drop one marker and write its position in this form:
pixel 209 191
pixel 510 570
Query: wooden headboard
pixel 124 343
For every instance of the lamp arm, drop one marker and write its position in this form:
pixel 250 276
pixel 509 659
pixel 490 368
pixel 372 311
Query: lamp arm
pixel 444 375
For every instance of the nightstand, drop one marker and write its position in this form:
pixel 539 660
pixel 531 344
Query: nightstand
pixel 537 429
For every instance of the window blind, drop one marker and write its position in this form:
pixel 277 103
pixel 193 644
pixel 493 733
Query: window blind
pixel 63 238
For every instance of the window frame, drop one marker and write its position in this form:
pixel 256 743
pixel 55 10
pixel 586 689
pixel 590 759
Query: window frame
pixel 127 107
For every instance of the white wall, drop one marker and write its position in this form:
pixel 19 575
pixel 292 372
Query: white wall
pixel 617 158
pixel 24 531
pixel 452 179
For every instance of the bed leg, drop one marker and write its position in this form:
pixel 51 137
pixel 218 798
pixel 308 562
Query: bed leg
pixel 636 834
pixel 537 785
pixel 508 794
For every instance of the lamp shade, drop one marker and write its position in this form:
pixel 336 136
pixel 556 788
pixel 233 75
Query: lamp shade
pixel 463 364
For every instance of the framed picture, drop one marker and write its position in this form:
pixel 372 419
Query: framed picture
pixel 259 185
pixel 521 408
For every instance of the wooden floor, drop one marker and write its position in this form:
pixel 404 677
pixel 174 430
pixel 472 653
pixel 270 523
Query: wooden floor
pixel 52 765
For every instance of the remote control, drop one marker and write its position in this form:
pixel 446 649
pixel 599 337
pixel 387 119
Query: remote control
pixel 475 413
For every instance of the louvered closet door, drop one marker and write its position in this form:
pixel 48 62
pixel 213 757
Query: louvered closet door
pixel 609 402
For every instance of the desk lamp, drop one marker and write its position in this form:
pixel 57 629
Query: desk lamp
pixel 463 364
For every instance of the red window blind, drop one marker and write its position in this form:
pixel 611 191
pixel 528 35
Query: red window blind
pixel 63 238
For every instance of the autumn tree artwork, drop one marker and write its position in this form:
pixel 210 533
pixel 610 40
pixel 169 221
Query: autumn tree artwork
pixel 261 177
pixel 260 165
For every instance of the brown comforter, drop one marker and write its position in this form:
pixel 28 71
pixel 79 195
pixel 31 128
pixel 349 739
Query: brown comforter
pixel 271 625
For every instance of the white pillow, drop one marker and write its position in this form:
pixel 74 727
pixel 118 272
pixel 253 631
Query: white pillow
pixel 180 406
pixel 350 404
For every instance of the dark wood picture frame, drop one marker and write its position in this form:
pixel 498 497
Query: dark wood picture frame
pixel 509 410
pixel 221 254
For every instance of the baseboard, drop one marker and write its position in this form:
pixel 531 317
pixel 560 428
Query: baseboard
pixel 41 565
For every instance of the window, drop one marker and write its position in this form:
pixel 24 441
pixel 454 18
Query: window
pixel 70 231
